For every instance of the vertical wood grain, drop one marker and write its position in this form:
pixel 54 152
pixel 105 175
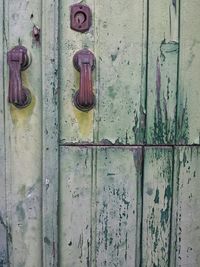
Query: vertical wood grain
pixel 75 125
pixel 3 218
pixel 75 206
pixel 162 71
pixel 100 206
pixel 157 198
pixel 120 47
pixel 188 126
pixel 50 129
pixel 118 206
pixel 186 214
pixel 23 140
pixel 118 40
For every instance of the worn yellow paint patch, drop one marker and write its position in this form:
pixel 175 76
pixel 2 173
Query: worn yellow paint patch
pixel 85 121
pixel 21 116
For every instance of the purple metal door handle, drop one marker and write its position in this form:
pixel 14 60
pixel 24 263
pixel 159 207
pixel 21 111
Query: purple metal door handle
pixel 18 60
pixel 84 62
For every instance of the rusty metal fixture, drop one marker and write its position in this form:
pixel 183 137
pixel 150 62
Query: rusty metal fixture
pixel 36 34
pixel 80 18
pixel 84 62
pixel 18 60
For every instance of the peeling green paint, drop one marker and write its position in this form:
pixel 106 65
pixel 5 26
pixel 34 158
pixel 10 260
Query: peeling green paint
pixel 114 56
pixel 183 124
pixel 165 213
pixel 112 92
pixel 156 199
pixel 163 131
pixel 20 211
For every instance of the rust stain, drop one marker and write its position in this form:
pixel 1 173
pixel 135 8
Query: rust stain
pixel 36 35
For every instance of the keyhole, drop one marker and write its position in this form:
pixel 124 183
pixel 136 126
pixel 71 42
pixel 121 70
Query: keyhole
pixel 80 18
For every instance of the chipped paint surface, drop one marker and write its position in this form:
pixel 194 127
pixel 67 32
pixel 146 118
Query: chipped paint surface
pixel 157 198
pixel 121 98
pixel 186 214
pixel 163 49
pixel 117 204
pixel 75 207
pixel 163 131
pixel 188 90
pixel 101 210
pixel 120 91
pixel 22 138
pixel 75 126
pixel 182 123
pixel 4 228
pixel 116 208
pixel 99 215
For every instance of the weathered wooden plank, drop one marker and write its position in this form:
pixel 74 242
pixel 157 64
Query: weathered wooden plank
pixel 186 214
pixel 3 220
pixel 162 71
pixel 157 198
pixel 120 48
pixel 75 125
pixel 50 128
pixel 188 126
pixel 120 91
pixel 118 188
pixel 23 140
pixel 75 206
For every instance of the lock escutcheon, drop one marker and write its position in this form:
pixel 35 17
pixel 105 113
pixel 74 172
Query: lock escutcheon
pixel 80 18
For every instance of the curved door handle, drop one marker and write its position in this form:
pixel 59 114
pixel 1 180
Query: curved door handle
pixel 84 62
pixel 18 60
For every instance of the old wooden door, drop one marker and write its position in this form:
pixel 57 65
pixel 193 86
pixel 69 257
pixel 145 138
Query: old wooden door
pixel 118 185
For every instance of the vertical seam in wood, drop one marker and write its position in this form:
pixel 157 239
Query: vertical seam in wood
pixel 58 210
pixel 50 132
pixel 174 211
pixel 140 186
pixel 58 138
pixel 172 206
pixel 91 207
pixel 178 73
pixel 97 71
pixel 94 206
pixel 146 80
pixel 4 46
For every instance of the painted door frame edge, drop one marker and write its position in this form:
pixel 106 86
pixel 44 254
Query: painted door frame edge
pixel 50 131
